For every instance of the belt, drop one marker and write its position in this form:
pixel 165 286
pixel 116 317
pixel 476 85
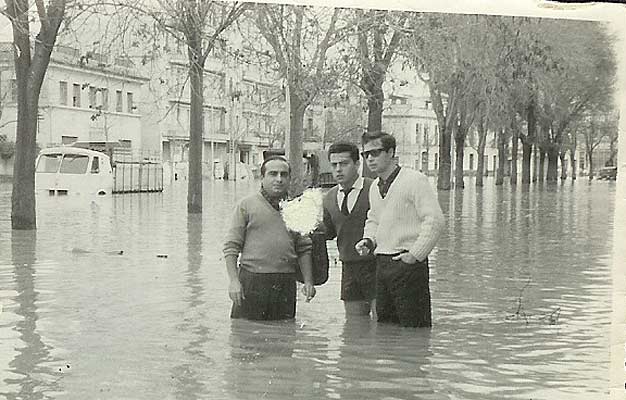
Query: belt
pixel 392 255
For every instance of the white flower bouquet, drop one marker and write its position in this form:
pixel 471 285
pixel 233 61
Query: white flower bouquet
pixel 304 213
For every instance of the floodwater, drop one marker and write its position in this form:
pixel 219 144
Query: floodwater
pixel 520 285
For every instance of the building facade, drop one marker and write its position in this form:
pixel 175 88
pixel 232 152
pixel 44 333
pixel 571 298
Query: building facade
pixel 81 99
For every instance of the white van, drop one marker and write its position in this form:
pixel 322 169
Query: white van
pixel 73 171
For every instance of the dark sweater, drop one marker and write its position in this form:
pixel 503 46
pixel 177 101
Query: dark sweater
pixel 347 228
pixel 258 232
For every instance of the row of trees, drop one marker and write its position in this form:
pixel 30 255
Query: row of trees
pixel 528 80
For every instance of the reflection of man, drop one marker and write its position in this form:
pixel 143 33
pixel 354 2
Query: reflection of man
pixel 402 227
pixel 345 211
pixel 264 285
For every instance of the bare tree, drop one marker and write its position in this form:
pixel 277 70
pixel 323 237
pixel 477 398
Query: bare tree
pixel 300 38
pixel 199 24
pixel 31 57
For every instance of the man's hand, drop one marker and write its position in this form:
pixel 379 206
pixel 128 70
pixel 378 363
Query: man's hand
pixel 308 290
pixel 406 258
pixel 235 292
pixel 363 247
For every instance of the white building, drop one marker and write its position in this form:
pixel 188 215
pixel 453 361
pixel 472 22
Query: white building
pixel 82 99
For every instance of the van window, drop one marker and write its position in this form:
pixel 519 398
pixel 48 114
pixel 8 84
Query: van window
pixel 74 164
pixel 95 165
pixel 49 163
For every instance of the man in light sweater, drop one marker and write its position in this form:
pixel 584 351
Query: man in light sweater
pixel 263 287
pixel 345 210
pixel 402 227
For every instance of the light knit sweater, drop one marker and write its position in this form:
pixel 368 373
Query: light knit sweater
pixel 407 219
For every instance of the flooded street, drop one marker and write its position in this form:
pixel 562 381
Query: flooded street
pixel 125 297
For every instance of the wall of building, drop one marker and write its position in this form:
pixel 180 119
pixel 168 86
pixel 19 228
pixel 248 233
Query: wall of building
pixel 78 104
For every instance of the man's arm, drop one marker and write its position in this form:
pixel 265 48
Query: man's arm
pixel 368 243
pixel 329 227
pixel 429 212
pixel 306 267
pixel 233 244
pixel 303 247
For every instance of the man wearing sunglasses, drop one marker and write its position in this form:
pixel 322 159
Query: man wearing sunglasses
pixel 402 227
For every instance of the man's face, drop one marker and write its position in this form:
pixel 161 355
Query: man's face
pixel 345 170
pixel 378 160
pixel 276 178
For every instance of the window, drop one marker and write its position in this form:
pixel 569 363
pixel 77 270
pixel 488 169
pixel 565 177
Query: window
pixel 427 104
pixel 126 143
pixel 426 132
pixel 118 100
pixel 418 129
pixel 104 93
pixel 75 95
pixel 68 139
pixel 92 96
pixel 436 161
pixel 74 164
pixel 63 93
pixel 129 102
pixel 49 163
pixel 471 166
pixel 95 165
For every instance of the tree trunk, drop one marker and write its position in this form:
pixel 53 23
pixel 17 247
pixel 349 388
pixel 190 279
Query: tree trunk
pixel 514 146
pixel 563 165
pixel 527 149
pixel 29 73
pixel 459 141
pixel 536 152
pixel 443 175
pixel 375 99
pixel 480 166
pixel 542 165
pixel 572 160
pixel 553 159
pixel 23 210
pixel 590 159
pixel 296 124
pixel 196 125
pixel 527 144
pixel 501 158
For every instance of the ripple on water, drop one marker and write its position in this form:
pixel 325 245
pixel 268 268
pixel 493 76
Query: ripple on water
pixel 133 325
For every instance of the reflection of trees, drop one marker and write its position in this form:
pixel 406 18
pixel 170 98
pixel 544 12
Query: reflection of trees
pixel 186 377
pixel 29 360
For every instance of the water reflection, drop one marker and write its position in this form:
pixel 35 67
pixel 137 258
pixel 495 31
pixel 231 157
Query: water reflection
pixel 34 379
pixel 187 376
pixel 262 362
pixel 142 327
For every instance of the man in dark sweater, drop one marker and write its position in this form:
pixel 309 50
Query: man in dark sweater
pixel 345 212
pixel 264 284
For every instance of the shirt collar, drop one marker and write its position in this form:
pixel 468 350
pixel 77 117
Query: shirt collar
pixel 356 186
pixel 390 178
pixel 385 184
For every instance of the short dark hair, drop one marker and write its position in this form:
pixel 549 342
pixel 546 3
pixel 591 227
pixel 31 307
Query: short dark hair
pixel 344 147
pixel 388 141
pixel 272 158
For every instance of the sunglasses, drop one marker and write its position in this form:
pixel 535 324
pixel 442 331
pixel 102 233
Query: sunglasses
pixel 373 152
